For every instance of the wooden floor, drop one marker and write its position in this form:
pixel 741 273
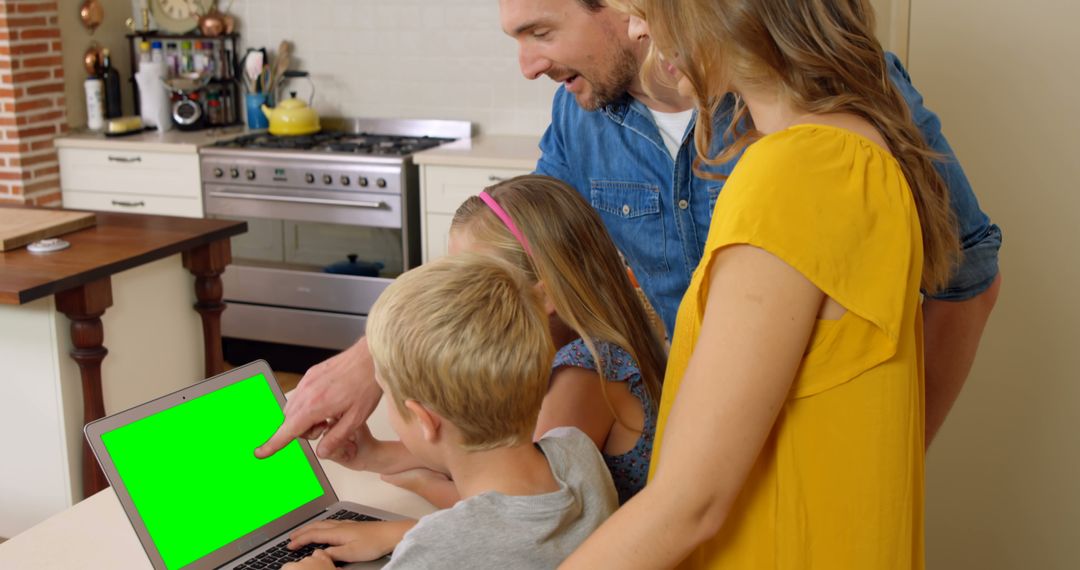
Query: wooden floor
pixel 287 380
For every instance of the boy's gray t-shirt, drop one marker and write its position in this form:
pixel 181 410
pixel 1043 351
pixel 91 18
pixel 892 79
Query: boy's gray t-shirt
pixel 493 530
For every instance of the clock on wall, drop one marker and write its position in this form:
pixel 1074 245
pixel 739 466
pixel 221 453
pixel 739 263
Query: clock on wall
pixel 178 16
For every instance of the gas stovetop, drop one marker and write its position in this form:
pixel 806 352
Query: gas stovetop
pixel 338 142
pixel 376 140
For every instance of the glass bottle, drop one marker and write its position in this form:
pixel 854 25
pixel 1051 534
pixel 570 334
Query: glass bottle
pixel 111 79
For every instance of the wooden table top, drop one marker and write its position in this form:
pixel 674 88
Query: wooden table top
pixel 118 242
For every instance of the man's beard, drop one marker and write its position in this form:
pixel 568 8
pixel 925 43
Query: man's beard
pixel 613 85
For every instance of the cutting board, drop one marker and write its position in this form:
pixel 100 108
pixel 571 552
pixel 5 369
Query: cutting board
pixel 20 226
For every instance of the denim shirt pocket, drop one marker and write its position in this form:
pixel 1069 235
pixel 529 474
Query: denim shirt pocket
pixel 631 213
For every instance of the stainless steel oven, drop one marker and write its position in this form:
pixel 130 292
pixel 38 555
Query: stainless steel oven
pixel 332 219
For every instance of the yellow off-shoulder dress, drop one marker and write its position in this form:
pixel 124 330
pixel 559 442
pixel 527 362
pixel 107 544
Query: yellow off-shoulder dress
pixel 839 482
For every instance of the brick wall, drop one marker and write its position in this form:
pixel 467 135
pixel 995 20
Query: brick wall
pixel 32 106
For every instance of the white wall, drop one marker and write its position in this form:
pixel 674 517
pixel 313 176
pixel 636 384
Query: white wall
pixel 1003 479
pixel 438 59
pixel 441 59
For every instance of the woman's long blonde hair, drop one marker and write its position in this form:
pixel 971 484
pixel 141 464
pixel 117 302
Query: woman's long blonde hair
pixel 822 56
pixel 577 263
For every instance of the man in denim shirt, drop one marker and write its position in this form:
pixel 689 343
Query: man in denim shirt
pixel 630 155
pixel 607 139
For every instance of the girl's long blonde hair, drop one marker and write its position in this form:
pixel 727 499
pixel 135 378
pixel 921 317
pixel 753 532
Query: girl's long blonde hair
pixel 821 55
pixel 577 263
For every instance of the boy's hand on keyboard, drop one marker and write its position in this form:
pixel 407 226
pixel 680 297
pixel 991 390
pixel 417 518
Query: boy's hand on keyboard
pixel 352 541
pixel 318 560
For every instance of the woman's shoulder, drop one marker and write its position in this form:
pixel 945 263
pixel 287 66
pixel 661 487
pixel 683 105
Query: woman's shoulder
pixel 830 143
pixel 811 162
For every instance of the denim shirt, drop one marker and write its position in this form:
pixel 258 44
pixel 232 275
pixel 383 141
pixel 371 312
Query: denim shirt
pixel 658 212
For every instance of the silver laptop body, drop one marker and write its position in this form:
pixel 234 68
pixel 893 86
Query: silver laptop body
pixel 156 424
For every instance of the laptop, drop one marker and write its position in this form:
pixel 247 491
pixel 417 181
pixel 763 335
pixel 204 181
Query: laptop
pixel 184 469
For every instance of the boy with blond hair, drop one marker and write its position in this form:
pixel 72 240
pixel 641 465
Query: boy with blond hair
pixel 462 347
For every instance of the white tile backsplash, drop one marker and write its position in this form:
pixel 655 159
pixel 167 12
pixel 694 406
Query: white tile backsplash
pixel 426 59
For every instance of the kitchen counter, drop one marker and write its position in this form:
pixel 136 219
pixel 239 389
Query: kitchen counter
pixel 485 151
pixel 184 142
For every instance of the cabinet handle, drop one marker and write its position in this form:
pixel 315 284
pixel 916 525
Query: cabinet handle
pixel 123 204
pixel 494 178
pixel 125 158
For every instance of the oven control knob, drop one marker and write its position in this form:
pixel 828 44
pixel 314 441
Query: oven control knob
pixel 362 181
pixel 218 173
pixel 381 183
pixel 327 179
pixel 234 172
pixel 250 174
pixel 309 178
pixel 344 180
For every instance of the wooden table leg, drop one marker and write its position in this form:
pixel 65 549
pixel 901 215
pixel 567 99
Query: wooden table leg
pixel 207 263
pixel 84 306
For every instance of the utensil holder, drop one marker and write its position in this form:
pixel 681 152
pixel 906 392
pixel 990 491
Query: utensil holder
pixel 253 103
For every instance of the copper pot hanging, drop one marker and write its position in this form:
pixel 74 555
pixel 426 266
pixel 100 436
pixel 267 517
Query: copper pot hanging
pixel 212 24
pixel 92 59
pixel 92 14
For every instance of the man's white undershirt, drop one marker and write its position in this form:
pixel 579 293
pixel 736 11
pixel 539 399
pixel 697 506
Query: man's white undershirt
pixel 672 128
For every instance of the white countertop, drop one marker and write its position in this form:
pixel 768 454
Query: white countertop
pixel 486 151
pixel 96 534
pixel 184 142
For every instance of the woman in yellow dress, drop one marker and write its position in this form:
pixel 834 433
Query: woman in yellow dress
pixel 791 423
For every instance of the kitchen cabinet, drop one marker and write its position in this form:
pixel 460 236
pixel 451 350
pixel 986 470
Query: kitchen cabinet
pixel 150 173
pixel 451 173
pixel 892 25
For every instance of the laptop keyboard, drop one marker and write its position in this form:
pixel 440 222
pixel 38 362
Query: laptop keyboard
pixel 280 555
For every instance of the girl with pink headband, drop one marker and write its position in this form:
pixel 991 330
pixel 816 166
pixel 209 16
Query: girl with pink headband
pixel 606 377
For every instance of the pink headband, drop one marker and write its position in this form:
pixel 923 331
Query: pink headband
pixel 506 220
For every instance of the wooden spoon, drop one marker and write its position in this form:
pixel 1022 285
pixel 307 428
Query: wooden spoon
pixel 281 63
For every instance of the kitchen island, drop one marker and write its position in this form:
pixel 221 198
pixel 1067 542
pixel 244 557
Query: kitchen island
pixel 129 283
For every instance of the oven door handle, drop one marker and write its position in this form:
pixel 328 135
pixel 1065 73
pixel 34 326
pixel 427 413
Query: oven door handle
pixel 295 200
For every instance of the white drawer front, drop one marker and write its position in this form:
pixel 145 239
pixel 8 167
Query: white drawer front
pixel 446 187
pixel 135 204
pixel 123 172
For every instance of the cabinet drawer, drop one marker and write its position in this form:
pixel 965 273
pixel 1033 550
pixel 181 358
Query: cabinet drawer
pixel 130 172
pixel 446 187
pixel 134 204
pixel 436 235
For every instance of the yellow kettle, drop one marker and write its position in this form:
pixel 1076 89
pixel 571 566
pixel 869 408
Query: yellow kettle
pixel 292 117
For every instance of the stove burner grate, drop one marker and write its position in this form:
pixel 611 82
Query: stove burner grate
pixel 337 141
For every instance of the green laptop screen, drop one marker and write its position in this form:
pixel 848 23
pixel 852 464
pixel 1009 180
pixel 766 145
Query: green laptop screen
pixel 193 476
